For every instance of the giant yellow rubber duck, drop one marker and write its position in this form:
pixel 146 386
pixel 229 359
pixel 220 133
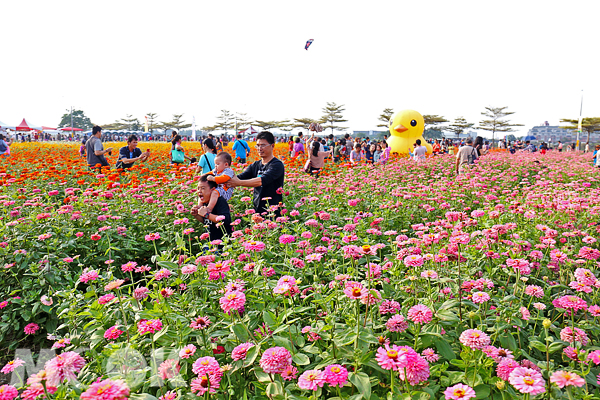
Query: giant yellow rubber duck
pixel 406 127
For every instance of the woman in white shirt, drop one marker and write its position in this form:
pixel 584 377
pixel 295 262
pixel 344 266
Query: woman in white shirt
pixel 356 154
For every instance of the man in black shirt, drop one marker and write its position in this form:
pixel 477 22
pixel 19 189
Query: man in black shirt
pixel 130 154
pixel 219 214
pixel 266 176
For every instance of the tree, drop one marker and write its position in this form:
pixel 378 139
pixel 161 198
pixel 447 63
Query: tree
pixel 152 121
pixel 589 125
pixel 225 121
pixel 385 117
pixel 241 121
pixel 495 122
pixel 115 126
pixel 130 123
pixel 285 125
pixel 302 122
pixel 459 126
pixel 266 125
pixel 432 120
pixel 80 120
pixel 176 123
pixel 332 114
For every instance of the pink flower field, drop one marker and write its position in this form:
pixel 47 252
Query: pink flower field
pixel 398 281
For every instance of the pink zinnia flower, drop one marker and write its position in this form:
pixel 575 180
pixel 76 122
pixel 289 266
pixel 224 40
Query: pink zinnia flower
pixel 459 392
pixel 200 323
pixel 168 369
pixel 286 239
pixel 149 325
pixel 566 334
pixel 290 373
pixel 393 357
pixel 141 293
pixel 505 367
pixel 570 302
pixel 187 351
pixel 206 365
pixel 152 236
pixel 275 360
pixel 254 246
pixel 8 392
pixel 311 380
pixel 106 390
pixel 106 298
pixel 430 355
pixel 474 338
pixel 63 367
pixel 232 301
pixel 88 276
pixel 397 323
pixel 566 378
pixel 414 260
pixel 240 352
pixel 527 380
pixel 113 333
pixel 480 297
pixel 335 375
pixel 12 365
pixel 31 328
pixel 420 314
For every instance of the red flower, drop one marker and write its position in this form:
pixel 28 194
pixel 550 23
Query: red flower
pixel 220 349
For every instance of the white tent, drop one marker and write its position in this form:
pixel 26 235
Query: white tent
pixel 4 126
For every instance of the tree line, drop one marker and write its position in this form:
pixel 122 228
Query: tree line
pixel 495 120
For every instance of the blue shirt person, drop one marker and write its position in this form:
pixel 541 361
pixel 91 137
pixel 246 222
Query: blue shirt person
pixel 130 154
pixel 242 150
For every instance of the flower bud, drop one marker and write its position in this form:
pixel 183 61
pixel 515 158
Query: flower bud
pixel 500 385
pixel 547 323
pixel 472 315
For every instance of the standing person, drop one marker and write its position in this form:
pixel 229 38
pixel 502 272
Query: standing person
pixel 420 151
pixel 207 160
pixel 177 151
pixel 131 153
pixel 242 150
pixel 291 146
pixel 560 146
pixel 466 155
pixel 437 148
pixel 5 145
pixel 370 154
pixel 219 145
pixel 82 149
pixel 596 159
pixel 587 147
pixel 356 154
pixel 95 150
pixel 266 176
pixel 479 146
pixel 348 145
pixel 317 159
pixel 337 150
pixel 212 217
pixel 377 153
pixel 385 153
pixel 298 147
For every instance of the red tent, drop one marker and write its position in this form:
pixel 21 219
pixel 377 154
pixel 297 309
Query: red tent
pixel 249 131
pixel 24 126
pixel 69 129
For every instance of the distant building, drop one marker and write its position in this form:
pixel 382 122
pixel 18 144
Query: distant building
pixel 552 134
pixel 369 133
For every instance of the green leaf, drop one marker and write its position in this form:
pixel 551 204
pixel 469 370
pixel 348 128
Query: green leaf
pixel 251 356
pixel 241 332
pixel 142 396
pixel 447 315
pixel 538 345
pixel 482 391
pixel 555 347
pixel 445 349
pixel 301 359
pixel 420 396
pixel 362 383
pixel 269 318
pixel 274 388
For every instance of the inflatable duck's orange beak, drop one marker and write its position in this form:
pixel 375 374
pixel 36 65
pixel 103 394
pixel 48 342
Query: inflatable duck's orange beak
pixel 400 128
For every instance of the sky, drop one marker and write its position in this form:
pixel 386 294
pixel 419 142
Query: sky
pixel 450 58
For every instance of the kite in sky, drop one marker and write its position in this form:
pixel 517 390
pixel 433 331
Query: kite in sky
pixel 308 43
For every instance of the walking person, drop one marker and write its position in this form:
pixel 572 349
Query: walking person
pixel 242 150
pixel 207 160
pixel 466 156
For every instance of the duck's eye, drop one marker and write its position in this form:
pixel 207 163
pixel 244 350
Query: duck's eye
pixel 413 123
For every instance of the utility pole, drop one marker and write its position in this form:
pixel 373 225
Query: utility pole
pixel 71 121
